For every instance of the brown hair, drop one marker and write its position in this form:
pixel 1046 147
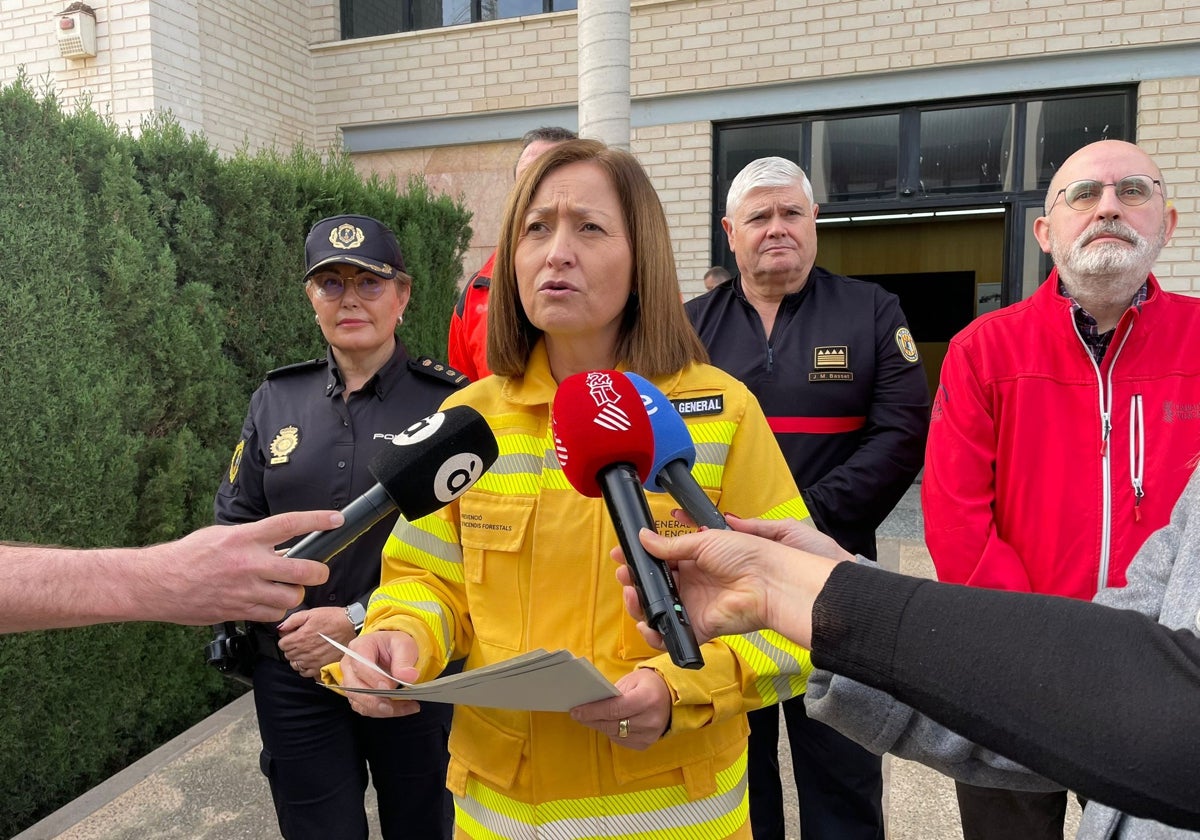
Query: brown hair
pixel 655 338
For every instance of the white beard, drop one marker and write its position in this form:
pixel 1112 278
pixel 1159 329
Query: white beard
pixel 1106 274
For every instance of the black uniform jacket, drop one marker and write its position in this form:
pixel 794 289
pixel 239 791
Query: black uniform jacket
pixel 842 387
pixel 303 447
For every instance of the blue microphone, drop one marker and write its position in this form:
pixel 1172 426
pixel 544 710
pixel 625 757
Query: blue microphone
pixel 674 455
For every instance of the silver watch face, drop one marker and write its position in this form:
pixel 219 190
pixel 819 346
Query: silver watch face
pixel 357 614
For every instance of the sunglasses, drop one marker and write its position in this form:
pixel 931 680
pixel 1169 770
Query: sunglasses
pixel 333 286
pixel 1132 191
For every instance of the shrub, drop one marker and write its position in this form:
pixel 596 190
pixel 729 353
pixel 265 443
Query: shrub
pixel 150 284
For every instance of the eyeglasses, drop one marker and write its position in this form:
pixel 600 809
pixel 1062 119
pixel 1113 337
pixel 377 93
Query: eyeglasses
pixel 1132 191
pixel 333 286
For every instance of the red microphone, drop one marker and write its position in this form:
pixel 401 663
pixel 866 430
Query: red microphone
pixel 605 444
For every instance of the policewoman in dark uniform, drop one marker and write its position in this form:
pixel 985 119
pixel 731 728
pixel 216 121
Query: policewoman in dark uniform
pixel 310 433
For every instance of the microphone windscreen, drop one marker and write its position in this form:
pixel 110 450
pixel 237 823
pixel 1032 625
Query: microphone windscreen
pixel 435 460
pixel 598 420
pixel 672 442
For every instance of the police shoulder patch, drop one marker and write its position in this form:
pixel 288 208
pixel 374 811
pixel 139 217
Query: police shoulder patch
pixel 908 347
pixel 236 461
pixel 427 366
pixel 298 367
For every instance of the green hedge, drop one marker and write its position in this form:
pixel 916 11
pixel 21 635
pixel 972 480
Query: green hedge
pixel 149 284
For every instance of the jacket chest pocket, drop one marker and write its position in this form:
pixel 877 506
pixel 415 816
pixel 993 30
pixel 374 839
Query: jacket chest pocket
pixel 494 537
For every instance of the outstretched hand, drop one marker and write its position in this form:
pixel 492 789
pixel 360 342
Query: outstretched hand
pixel 232 572
pixel 792 533
pixel 738 581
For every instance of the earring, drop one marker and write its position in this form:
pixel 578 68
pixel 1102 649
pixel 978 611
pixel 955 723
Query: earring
pixel 317 318
pixel 399 319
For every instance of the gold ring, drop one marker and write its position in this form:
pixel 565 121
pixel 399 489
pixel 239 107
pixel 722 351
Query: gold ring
pixel 623 728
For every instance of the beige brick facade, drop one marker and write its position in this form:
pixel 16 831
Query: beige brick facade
pixel 1169 129
pixel 258 73
pixel 679 159
pixel 238 72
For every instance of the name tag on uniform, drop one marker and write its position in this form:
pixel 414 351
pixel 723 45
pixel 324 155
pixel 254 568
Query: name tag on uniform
pixel 700 406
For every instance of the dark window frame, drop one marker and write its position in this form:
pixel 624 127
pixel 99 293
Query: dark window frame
pixel 407 18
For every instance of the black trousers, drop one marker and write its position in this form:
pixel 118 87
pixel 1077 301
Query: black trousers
pixel 317 750
pixel 840 784
pixel 997 814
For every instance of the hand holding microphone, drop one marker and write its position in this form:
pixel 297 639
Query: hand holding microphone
pixel 606 447
pixel 432 463
pixel 674 455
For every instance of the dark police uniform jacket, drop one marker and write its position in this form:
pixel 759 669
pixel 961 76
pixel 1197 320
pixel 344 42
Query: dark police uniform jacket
pixel 843 390
pixel 303 447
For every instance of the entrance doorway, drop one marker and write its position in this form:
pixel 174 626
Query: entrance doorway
pixel 946 271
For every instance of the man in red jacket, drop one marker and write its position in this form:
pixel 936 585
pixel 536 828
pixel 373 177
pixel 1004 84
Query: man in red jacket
pixel 466 348
pixel 1066 425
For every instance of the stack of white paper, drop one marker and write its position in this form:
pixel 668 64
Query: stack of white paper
pixel 538 681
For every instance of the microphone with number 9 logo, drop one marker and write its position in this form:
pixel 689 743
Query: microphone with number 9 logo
pixel 429 465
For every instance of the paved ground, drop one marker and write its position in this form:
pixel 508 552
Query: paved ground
pixel 205 784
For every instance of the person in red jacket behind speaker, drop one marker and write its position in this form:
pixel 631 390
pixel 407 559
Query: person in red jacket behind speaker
pixel 466 345
pixel 1065 426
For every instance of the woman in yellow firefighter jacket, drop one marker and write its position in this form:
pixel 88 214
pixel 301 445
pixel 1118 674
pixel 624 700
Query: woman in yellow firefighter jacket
pixel 585 279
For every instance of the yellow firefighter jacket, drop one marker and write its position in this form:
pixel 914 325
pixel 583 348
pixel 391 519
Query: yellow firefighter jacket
pixel 521 562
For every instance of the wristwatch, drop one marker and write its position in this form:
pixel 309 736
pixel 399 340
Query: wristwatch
pixel 357 614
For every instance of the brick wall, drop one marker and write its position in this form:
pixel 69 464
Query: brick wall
pixel 257 82
pixel 240 72
pixel 30 42
pixel 1169 131
pixel 682 46
pixel 678 159
pixel 274 73
pixel 505 65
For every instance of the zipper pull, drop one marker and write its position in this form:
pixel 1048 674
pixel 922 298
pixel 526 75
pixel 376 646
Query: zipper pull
pixel 1138 492
pixel 1104 439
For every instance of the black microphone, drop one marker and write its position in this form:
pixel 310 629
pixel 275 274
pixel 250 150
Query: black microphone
pixel 603 440
pixel 431 463
pixel 674 455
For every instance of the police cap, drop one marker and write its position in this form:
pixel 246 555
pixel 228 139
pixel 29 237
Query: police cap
pixel 356 240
